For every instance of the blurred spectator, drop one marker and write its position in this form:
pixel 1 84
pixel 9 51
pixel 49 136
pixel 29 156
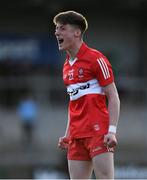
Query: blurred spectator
pixel 27 111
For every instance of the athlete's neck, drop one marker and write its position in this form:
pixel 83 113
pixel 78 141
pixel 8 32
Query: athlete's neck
pixel 73 51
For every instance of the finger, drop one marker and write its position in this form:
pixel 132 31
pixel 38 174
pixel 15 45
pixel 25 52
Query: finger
pixel 60 140
pixel 63 145
pixel 65 140
pixel 112 143
pixel 59 145
pixel 106 140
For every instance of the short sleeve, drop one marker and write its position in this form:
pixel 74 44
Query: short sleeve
pixel 102 70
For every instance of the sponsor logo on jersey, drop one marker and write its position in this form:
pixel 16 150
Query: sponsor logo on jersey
pixel 76 90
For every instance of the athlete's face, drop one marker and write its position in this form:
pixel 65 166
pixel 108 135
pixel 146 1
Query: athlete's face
pixel 66 36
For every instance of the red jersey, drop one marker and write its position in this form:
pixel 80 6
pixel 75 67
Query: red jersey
pixel 84 78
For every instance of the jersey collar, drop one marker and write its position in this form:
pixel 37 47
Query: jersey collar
pixel 81 51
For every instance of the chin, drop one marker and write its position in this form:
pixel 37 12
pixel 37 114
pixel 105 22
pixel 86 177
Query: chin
pixel 61 48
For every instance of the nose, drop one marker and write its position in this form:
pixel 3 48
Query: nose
pixel 56 33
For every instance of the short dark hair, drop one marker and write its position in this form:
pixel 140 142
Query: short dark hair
pixel 73 18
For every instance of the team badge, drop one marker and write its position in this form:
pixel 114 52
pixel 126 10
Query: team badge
pixel 96 127
pixel 81 73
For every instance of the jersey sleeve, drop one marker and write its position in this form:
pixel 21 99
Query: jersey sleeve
pixel 102 70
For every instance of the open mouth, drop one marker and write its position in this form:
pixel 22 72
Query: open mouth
pixel 60 41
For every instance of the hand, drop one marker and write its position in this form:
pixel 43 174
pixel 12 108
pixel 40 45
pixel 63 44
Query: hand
pixel 63 142
pixel 110 140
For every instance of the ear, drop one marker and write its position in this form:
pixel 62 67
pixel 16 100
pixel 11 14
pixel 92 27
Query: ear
pixel 77 32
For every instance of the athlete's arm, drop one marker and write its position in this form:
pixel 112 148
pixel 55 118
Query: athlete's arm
pixel 113 103
pixel 67 127
pixel 113 108
pixel 63 141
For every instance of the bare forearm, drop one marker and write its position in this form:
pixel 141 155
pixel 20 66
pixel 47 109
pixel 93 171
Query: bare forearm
pixel 67 127
pixel 114 109
pixel 113 106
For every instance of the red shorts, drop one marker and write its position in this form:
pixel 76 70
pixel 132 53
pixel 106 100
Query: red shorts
pixel 87 148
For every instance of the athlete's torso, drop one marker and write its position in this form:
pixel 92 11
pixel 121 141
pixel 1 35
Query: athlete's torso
pixel 84 78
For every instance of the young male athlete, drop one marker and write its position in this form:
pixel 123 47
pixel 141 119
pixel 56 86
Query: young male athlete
pixel 90 135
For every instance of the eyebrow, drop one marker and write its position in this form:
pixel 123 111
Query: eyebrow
pixel 62 25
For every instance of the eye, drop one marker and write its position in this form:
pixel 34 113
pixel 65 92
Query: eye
pixel 56 28
pixel 62 28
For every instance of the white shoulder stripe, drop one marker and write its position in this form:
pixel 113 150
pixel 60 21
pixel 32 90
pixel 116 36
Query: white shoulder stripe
pixel 104 68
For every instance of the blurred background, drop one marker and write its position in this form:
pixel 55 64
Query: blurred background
pixel 33 100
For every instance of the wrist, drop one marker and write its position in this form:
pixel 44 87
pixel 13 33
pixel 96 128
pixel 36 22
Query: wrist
pixel 112 129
